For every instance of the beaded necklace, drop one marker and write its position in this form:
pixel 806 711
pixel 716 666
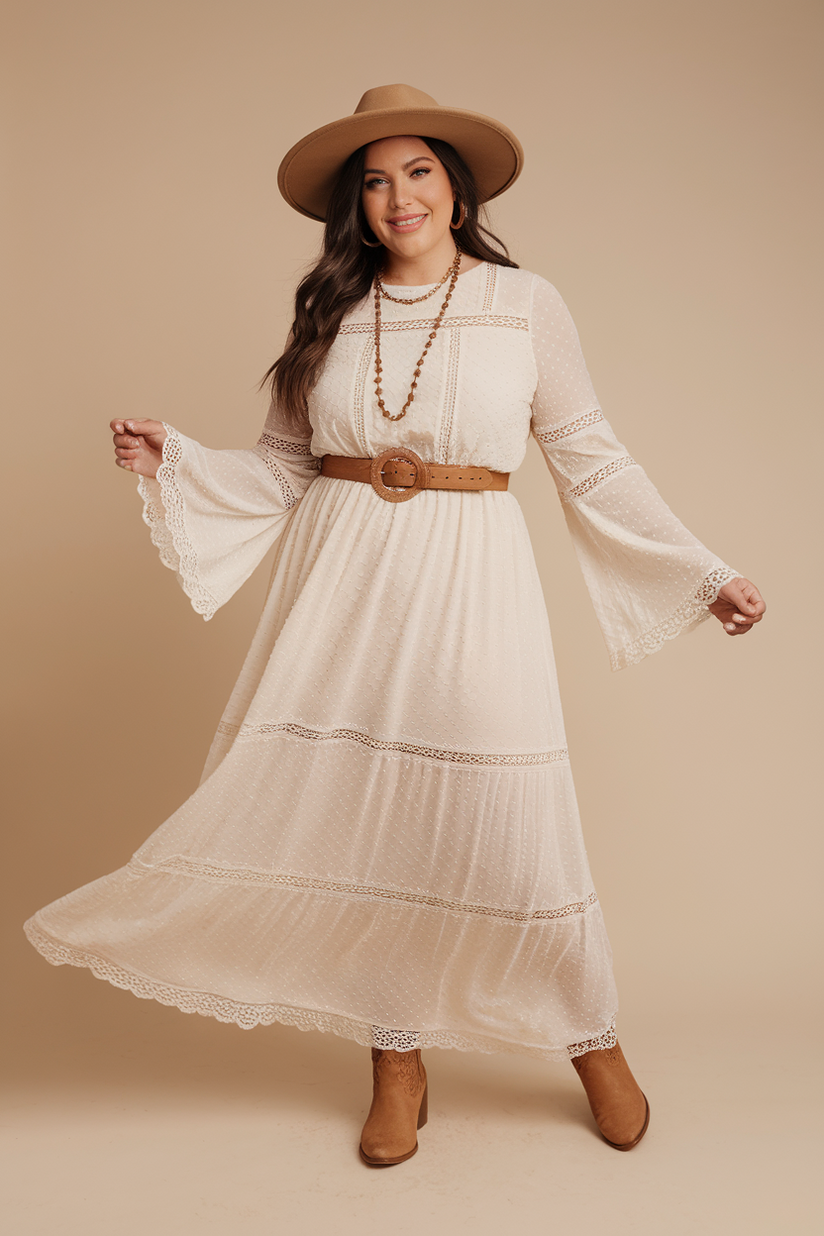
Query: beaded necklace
pixel 452 275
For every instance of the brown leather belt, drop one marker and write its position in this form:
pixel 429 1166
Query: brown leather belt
pixel 402 467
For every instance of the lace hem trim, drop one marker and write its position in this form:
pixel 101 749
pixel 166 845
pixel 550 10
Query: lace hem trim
pixel 547 436
pixel 194 868
pixel 689 614
pixel 395 1040
pixel 556 756
pixel 597 478
pixel 167 527
pixel 247 1016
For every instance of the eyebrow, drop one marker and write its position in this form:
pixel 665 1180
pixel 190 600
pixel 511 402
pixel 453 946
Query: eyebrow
pixel 370 171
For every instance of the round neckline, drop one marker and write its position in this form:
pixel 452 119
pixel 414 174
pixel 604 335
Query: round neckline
pixel 418 287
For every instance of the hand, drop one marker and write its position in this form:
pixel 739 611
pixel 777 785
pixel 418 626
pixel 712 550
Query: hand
pixel 739 606
pixel 138 445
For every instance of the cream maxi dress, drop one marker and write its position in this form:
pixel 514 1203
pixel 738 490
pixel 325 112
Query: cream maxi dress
pixel 385 842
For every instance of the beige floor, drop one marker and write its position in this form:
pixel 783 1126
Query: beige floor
pixel 129 1119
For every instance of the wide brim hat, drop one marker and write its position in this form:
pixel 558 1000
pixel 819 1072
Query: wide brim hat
pixel 309 171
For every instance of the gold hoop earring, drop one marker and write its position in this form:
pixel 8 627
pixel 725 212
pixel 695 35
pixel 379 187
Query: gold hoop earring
pixel 461 216
pixel 371 244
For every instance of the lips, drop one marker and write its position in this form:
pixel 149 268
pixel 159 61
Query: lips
pixel 406 223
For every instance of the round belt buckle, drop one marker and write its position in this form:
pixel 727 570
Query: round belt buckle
pixel 398 495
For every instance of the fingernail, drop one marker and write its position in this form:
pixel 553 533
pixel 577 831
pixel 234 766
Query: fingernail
pixel 730 626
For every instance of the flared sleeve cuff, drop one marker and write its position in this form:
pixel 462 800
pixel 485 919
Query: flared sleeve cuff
pixel 214 514
pixel 686 617
pixel 648 577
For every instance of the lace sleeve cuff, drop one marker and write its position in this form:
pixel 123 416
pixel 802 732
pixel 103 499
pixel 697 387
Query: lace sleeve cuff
pixel 163 512
pixel 687 616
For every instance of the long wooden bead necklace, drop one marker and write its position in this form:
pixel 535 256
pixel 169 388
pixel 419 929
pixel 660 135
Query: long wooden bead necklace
pixel 452 275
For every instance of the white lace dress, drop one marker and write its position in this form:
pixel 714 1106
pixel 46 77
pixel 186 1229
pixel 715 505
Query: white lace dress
pixel 385 842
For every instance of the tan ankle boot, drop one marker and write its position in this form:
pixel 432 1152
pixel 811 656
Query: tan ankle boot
pixel 618 1104
pixel 399 1107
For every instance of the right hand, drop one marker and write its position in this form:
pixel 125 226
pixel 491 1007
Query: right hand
pixel 138 445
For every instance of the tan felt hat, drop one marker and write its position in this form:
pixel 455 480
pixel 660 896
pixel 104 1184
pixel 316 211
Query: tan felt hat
pixel 309 171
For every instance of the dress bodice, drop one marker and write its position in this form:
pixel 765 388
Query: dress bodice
pixel 473 400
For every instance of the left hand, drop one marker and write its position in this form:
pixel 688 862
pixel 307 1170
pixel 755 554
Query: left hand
pixel 739 606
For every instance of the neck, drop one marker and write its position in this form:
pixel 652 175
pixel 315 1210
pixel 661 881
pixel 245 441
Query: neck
pixel 422 269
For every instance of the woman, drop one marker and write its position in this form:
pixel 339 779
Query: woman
pixel 385 841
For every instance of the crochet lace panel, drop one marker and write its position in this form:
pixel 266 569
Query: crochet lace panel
pixel 289 446
pixel 198 869
pixel 479 319
pixel 597 478
pixel 690 613
pixel 565 431
pixel 167 526
pixel 517 760
pixel 266 449
pixel 247 1016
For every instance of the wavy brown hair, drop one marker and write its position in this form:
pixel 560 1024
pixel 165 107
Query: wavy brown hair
pixel 343 275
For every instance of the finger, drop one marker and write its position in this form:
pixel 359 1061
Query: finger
pixel 125 452
pixel 124 463
pixel 143 426
pixel 117 426
pixel 125 439
pixel 753 600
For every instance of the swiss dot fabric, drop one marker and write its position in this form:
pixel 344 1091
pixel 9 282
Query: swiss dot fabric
pixel 385 842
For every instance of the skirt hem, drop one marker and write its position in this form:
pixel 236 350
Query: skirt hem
pixel 247 1016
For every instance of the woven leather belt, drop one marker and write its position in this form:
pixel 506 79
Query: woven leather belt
pixel 399 466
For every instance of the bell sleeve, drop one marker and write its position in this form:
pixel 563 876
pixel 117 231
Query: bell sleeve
pixel 213 514
pixel 648 577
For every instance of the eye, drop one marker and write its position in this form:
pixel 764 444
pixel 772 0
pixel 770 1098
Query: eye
pixel 376 180
pixel 425 171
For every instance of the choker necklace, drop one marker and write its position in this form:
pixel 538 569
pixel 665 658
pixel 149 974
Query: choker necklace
pixel 452 275
pixel 397 300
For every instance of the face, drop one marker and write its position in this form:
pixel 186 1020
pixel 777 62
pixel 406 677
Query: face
pixel 407 196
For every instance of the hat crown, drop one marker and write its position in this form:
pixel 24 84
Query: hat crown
pixel 379 98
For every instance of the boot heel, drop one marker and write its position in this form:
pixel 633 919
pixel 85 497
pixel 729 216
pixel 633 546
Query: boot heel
pixel 423 1113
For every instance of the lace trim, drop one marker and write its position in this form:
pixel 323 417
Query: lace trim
pixel 197 869
pixel 564 431
pixel 167 526
pixel 395 1040
pixel 597 478
pixel 608 1038
pixel 265 454
pixel 689 614
pixel 450 395
pixel 286 445
pixel 361 379
pixel 558 755
pixel 489 290
pixel 474 319
pixel 248 1016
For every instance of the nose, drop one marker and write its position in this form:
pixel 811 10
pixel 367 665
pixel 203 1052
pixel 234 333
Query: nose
pixel 400 195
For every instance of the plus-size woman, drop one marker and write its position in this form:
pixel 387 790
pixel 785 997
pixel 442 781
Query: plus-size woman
pixel 385 841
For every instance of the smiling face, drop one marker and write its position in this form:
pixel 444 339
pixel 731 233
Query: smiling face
pixel 408 199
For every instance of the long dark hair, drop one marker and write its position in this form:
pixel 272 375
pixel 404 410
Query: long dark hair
pixel 343 275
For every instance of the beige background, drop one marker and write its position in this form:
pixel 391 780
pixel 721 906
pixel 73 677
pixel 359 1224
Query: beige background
pixel 670 193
